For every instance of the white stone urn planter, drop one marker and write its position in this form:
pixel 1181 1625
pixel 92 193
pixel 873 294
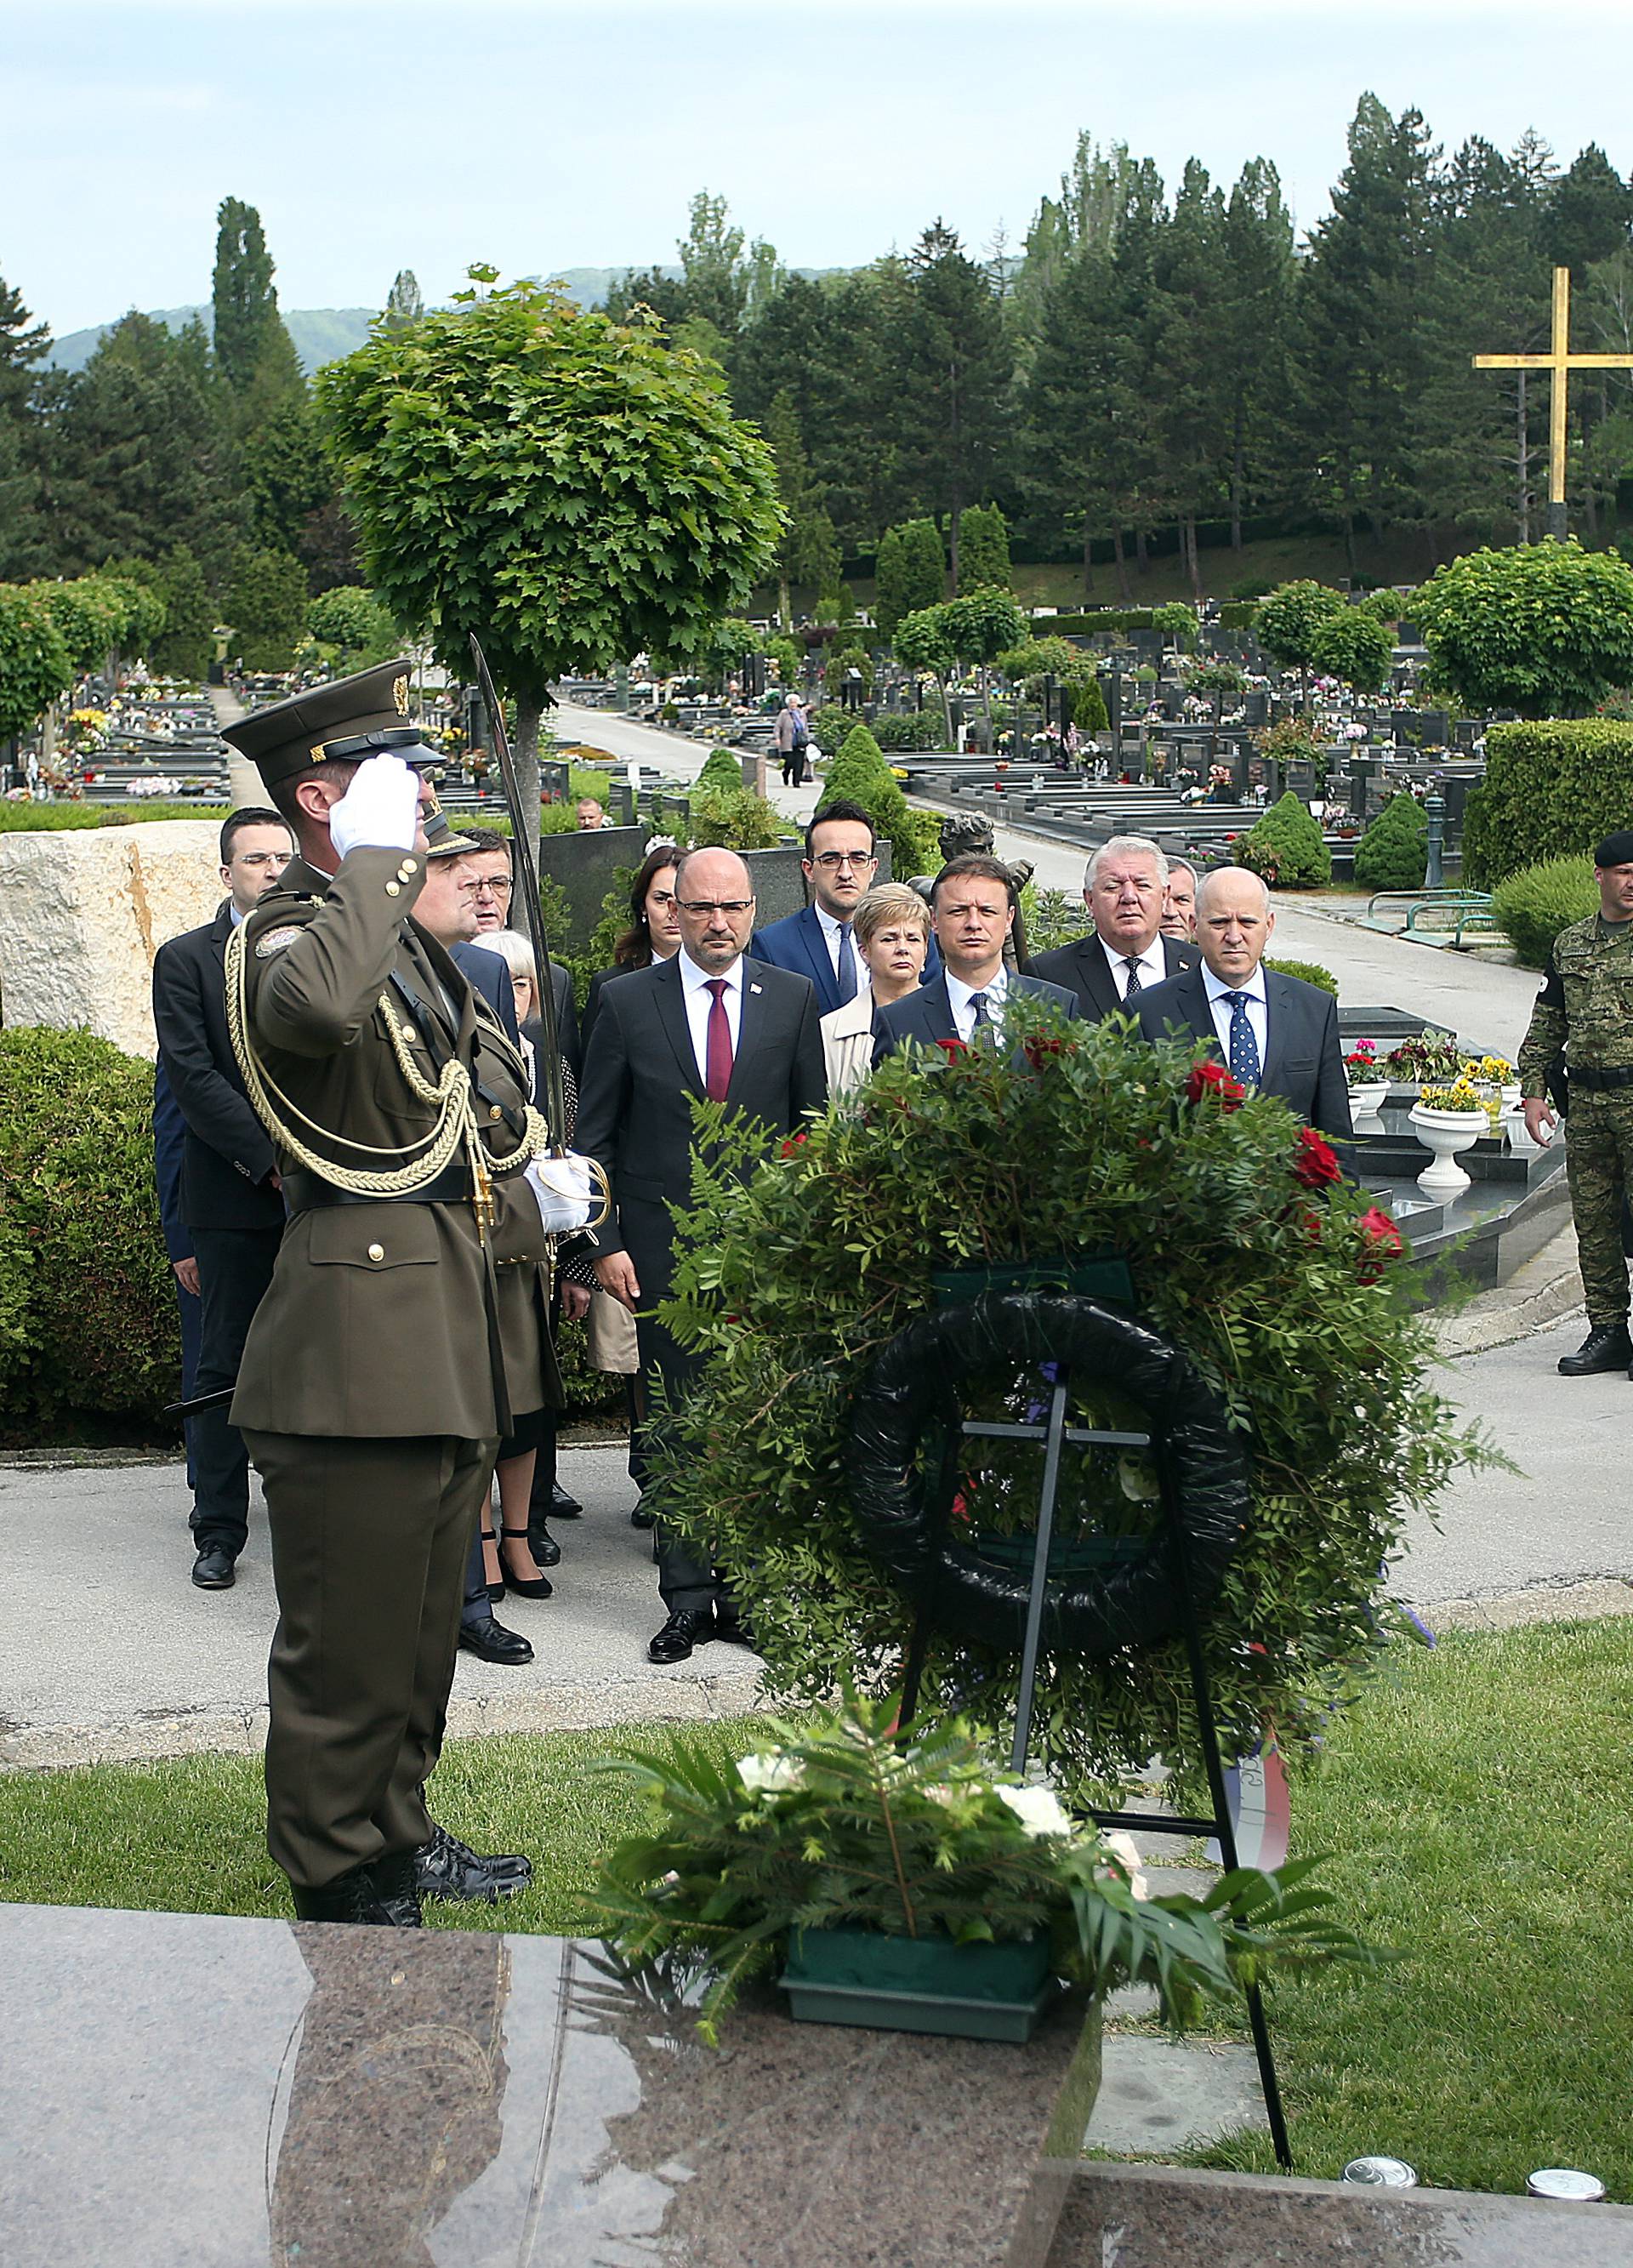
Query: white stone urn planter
pixel 1446 1132
pixel 1366 1101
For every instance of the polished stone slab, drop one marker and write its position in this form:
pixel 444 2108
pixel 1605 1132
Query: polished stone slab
pixel 1162 2217
pixel 181 2091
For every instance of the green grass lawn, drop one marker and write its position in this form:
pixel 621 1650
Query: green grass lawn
pixel 1478 1808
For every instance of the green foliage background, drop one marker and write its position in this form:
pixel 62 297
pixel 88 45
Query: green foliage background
pixel 790 1284
pixel 1394 852
pixel 1533 906
pixel 1545 629
pixel 1288 839
pixel 1550 789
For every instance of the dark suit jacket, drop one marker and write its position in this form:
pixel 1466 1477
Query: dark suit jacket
pixel 226 1153
pixel 169 1139
pixel 640 1074
pixel 479 963
pixel 796 943
pixel 926 1015
pixel 1082 967
pixel 1302 1060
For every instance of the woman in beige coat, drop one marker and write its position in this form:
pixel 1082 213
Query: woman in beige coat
pixel 891 926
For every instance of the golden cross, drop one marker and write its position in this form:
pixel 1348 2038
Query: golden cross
pixel 1560 362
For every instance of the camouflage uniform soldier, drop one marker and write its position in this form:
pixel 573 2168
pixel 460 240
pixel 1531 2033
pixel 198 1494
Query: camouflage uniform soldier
pixel 1585 1014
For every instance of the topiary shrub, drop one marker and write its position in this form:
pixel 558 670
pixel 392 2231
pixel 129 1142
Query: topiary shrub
pixel 88 1331
pixel 1394 852
pixel 1286 847
pixel 1533 906
pixel 722 774
pixel 1088 707
pixel 1311 971
pixel 1550 790
pixel 734 819
pixel 1235 1234
pixel 860 773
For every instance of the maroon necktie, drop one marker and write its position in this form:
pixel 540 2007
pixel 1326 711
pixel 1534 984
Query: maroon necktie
pixel 717 1050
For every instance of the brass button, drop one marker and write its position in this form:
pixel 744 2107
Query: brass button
pixel 408 866
pixel 376 1252
pixel 411 1036
pixel 494 1110
pixel 393 889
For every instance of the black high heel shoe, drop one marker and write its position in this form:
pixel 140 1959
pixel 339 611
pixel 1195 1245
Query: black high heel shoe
pixel 541 1587
pixel 495 1590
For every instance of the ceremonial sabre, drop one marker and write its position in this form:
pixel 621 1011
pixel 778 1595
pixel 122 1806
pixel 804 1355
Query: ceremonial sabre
pixel 527 882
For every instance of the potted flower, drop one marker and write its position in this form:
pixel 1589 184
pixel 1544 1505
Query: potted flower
pixel 1433 1057
pixel 1447 1119
pixel 1368 1086
pixel 899 1880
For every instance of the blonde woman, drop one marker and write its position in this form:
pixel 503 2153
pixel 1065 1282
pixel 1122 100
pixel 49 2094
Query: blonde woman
pixel 891 926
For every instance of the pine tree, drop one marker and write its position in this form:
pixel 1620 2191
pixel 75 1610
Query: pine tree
pixel 984 548
pixel 253 351
pixel 22 345
pixel 404 306
pixel 1253 338
pixel 957 369
pixel 912 573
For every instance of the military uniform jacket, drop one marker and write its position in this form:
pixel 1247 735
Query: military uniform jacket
pixel 1585 1009
pixel 384 1318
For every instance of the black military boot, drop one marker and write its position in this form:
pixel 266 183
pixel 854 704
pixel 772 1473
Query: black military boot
pixel 444 1868
pixel 1606 1347
pixel 397 1888
pixel 357 1896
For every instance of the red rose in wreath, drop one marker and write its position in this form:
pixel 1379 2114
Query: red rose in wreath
pixel 953 1048
pixel 791 1146
pixel 1316 1163
pixel 1382 1240
pixel 1213 1079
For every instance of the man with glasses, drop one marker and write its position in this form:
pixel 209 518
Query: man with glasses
pixel 817 942
pixel 486 874
pixel 229 1200
pixel 710 1020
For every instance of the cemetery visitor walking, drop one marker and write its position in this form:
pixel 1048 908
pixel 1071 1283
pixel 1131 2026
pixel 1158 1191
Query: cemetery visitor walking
pixel 1579 1046
pixel 230 1201
pixel 374 1388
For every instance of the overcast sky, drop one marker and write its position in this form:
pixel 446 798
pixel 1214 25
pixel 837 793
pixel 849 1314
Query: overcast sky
pixel 375 135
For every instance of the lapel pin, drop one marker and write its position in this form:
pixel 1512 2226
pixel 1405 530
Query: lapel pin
pixel 753 988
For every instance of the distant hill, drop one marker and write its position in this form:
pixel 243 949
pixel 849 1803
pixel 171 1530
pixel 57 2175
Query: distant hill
pixel 324 334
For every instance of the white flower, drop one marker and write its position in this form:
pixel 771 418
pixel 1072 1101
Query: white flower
pixel 770 1775
pixel 1126 1852
pixel 1038 1810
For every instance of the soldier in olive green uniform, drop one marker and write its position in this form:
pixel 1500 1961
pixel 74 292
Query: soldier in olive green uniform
pixel 1585 1014
pixel 389 1354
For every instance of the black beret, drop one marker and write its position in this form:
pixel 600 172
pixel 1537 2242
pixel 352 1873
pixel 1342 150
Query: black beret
pixel 1616 849
pixel 292 736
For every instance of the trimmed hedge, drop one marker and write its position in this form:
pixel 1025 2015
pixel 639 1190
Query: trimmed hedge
pixel 1533 906
pixel 71 818
pixel 859 772
pixel 1235 614
pixel 1286 847
pixel 1551 790
pixel 1311 971
pixel 1394 852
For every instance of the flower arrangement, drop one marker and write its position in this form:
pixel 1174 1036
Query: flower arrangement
pixel 1459 1097
pixel 849 1823
pixel 1361 1064
pixel 1241 1249
pixel 1496 1070
pixel 1433 1055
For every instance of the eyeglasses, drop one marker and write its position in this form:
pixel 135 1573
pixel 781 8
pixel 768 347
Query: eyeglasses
pixel 831 861
pixel 278 858
pixel 484 889
pixel 729 906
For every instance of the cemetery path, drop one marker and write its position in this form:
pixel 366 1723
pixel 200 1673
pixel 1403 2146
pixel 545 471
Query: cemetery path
pixel 142 1664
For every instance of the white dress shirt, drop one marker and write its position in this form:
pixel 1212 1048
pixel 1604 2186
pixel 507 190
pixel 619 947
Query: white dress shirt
pixel 1219 997
pixel 962 997
pixel 700 1001
pixel 830 938
pixel 1153 965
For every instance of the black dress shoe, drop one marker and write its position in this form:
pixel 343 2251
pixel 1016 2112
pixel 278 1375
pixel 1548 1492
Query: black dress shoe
pixel 679 1635
pixel 212 1570
pixel 563 1506
pixel 444 1868
pixel 735 1628
pixel 640 1518
pixel 359 1897
pixel 490 1641
pixel 1606 1347
pixel 543 1545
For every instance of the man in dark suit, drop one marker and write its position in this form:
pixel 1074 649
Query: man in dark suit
pixel 231 1202
pixel 972 909
pixel 712 1022
pixel 1274 1033
pixel 169 1136
pixel 487 873
pixel 840 864
pixel 1125 953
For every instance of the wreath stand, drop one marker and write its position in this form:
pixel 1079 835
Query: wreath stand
pixel 1175 1554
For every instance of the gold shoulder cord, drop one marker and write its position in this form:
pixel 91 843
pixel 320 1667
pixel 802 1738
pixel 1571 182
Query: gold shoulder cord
pixel 450 1097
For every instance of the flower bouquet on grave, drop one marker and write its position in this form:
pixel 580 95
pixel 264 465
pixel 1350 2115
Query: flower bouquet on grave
pixel 1432 1058
pixel 1369 1085
pixel 899 1881
pixel 1447 1119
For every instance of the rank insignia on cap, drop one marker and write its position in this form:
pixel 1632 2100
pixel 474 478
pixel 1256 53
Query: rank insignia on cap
pixel 274 941
pixel 399 695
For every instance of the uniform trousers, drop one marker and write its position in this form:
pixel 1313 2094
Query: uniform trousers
pixel 369 1545
pixel 1599 1163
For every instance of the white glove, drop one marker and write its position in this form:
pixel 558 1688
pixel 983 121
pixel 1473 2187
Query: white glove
pixel 566 1195
pixel 379 810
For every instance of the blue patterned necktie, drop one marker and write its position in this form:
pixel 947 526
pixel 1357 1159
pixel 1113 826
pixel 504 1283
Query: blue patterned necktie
pixel 847 966
pixel 1244 1047
pixel 978 1002
pixel 1133 987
